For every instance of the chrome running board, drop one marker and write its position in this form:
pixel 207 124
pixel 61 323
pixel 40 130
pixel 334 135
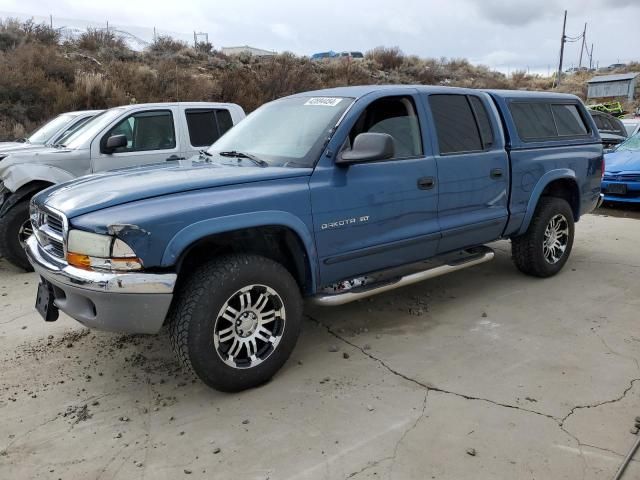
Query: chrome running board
pixel 331 300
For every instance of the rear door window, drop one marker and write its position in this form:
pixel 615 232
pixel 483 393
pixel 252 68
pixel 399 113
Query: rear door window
pixel 455 124
pixel 482 117
pixel 203 127
pixel 207 125
pixel 225 121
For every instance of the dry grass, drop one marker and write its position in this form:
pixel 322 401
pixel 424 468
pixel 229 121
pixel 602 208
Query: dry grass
pixel 39 77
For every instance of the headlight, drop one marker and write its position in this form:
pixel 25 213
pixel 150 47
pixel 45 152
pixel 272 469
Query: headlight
pixel 92 251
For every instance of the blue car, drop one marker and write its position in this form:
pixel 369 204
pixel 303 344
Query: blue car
pixel 621 182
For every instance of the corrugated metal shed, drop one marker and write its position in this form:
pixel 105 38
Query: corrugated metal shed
pixel 617 85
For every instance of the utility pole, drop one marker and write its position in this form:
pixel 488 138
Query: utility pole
pixel 195 39
pixel 51 21
pixel 584 39
pixel 562 40
pixel 591 57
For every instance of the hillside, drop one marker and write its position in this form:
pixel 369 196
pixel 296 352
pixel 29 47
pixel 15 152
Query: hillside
pixel 41 76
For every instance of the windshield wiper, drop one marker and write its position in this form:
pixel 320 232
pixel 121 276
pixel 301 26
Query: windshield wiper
pixel 204 153
pixel 248 156
pixel 58 145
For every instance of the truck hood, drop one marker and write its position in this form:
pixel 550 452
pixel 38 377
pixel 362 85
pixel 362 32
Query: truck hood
pixel 20 148
pixel 624 160
pixel 8 146
pixel 29 153
pixel 104 190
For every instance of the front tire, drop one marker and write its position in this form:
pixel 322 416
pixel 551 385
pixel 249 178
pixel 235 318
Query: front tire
pixel 545 247
pixel 235 321
pixel 15 228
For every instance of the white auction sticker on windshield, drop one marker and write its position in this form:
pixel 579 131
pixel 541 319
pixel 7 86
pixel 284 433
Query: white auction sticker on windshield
pixel 324 101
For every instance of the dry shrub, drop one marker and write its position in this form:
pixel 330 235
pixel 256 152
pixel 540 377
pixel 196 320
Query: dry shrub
pixel 13 33
pixel 34 82
pixel 10 129
pixel 95 40
pixel 345 72
pixel 388 58
pixel 166 45
pixel 285 74
pixel 95 91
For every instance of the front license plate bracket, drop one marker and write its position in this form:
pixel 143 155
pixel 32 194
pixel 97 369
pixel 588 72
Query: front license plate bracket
pixel 44 302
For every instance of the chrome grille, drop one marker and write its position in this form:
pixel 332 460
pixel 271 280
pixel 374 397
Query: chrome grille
pixel 49 228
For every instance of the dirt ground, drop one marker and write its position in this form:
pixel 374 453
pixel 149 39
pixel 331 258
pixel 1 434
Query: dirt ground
pixel 482 374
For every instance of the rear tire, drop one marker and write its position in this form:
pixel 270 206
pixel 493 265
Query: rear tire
pixel 544 249
pixel 235 321
pixel 15 228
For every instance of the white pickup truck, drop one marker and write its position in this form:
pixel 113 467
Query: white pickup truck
pixel 120 137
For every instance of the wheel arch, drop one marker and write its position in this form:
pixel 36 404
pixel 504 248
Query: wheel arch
pixel 279 236
pixel 556 183
pixel 25 191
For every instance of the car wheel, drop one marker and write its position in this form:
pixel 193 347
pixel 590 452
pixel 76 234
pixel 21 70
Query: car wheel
pixel 235 321
pixel 15 228
pixel 544 249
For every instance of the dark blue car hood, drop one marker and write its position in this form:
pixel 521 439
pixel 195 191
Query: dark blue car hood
pixel 622 161
pixel 104 190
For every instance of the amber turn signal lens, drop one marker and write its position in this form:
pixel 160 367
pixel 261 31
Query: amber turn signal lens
pixel 79 260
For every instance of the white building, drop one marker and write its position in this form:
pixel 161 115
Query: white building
pixel 246 49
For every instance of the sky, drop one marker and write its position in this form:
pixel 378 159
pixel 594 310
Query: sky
pixel 506 35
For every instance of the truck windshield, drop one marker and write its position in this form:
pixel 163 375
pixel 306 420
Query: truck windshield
pixel 91 128
pixel 290 132
pixel 45 132
pixel 631 144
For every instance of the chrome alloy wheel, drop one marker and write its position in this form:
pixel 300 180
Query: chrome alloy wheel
pixel 556 238
pixel 25 231
pixel 249 326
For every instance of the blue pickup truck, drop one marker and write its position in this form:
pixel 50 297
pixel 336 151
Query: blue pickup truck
pixel 329 196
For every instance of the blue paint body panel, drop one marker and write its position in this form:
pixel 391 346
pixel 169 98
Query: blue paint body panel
pixel 354 219
pixel 622 170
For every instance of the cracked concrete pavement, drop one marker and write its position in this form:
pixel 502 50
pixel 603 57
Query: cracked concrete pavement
pixel 539 379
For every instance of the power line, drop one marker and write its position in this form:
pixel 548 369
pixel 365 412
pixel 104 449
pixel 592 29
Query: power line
pixel 572 39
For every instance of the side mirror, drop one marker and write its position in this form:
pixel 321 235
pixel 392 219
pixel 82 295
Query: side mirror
pixel 114 142
pixel 368 147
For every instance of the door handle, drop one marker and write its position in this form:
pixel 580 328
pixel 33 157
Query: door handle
pixel 426 183
pixel 174 157
pixel 496 173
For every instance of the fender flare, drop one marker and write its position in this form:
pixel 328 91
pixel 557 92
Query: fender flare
pixel 205 228
pixel 19 175
pixel 26 191
pixel 546 179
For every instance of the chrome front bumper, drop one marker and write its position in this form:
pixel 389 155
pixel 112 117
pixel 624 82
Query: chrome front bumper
pixel 122 302
pixel 600 200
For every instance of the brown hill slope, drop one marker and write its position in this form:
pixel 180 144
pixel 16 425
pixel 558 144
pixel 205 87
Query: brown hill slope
pixel 41 76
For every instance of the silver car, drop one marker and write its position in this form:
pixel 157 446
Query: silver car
pixel 51 132
pixel 120 137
